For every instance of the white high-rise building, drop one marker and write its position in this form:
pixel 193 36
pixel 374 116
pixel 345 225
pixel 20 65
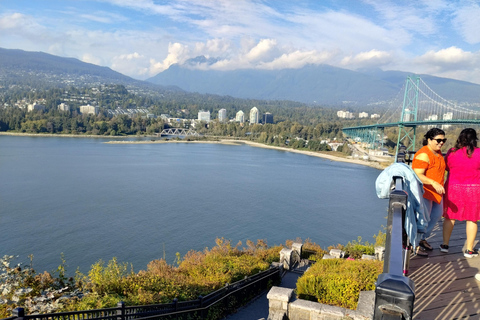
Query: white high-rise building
pixel 88 109
pixel 345 114
pixel 204 116
pixel 222 115
pixel 363 115
pixel 240 117
pixel 63 107
pixel 254 117
pixel 448 116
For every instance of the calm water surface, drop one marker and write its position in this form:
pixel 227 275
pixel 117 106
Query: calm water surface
pixel 138 202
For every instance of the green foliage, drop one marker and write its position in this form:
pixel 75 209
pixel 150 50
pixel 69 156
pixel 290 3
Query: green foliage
pixel 338 282
pixel 380 239
pixel 355 249
pixel 197 273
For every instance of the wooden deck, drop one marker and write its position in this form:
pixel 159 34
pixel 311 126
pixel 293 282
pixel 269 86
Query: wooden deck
pixel 445 285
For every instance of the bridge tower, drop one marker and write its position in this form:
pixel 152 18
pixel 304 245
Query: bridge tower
pixel 406 129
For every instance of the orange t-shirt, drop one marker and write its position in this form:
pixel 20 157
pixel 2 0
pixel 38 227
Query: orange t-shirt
pixel 435 170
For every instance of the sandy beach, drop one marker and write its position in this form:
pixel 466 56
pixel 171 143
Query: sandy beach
pixel 373 164
pixel 325 155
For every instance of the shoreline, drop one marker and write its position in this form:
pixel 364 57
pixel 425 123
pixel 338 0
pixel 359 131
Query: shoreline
pixel 372 164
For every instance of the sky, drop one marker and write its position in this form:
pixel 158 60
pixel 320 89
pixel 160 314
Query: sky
pixel 141 38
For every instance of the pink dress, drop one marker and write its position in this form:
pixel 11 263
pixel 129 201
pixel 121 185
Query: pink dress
pixel 462 189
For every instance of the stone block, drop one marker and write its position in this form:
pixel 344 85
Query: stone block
pixel 333 311
pixel 368 257
pixel 327 256
pixel 297 248
pixel 380 253
pixel 337 253
pixel 366 305
pixel 286 258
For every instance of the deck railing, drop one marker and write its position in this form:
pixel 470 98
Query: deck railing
pixel 218 302
pixel 395 293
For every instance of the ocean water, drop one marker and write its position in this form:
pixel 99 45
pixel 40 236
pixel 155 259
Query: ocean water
pixel 93 201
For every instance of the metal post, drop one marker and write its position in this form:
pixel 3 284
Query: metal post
pixel 121 310
pixel 394 293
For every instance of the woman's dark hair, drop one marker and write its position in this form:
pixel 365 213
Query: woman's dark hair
pixel 467 138
pixel 432 133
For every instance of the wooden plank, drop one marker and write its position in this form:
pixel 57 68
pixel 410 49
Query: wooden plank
pixel 445 285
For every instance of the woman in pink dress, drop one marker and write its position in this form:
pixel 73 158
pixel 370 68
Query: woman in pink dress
pixel 462 190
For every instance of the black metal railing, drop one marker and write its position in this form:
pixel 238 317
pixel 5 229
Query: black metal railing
pixel 214 305
pixel 395 293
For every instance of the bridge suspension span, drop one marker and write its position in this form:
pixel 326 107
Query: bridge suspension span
pixel 421 106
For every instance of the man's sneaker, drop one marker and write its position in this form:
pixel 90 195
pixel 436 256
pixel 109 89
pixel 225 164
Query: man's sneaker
pixel 444 248
pixel 470 253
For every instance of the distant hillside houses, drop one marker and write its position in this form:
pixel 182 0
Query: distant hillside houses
pixel 129 112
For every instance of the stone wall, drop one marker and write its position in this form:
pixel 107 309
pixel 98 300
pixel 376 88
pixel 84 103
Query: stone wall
pixel 281 308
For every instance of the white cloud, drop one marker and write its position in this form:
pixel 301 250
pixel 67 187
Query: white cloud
pixel 467 23
pixel 262 50
pixel 450 58
pixel 368 59
pixel 297 59
pixel 177 53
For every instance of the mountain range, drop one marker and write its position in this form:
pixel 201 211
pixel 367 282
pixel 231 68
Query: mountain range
pixel 312 84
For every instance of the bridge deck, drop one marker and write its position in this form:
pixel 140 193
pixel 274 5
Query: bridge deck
pixel 445 285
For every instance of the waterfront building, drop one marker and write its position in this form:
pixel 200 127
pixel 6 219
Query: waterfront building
pixel 267 117
pixel 63 107
pixel 363 115
pixel 204 116
pixel 240 117
pixel 88 109
pixel 375 116
pixel 222 115
pixel 254 115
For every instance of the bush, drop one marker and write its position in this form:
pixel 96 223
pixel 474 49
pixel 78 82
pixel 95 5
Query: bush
pixel 355 249
pixel 338 282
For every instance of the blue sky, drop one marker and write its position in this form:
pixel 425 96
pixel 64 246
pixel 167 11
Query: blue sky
pixel 141 38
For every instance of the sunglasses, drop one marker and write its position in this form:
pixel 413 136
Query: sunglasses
pixel 440 140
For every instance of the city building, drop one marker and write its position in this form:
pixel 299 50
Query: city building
pixel 267 117
pixel 204 116
pixel 345 114
pixel 240 117
pixel 35 106
pixel 254 115
pixel 363 115
pixel 222 115
pixel 63 107
pixel 88 109
pixel 375 116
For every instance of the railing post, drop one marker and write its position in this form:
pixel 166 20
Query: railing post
pixel 18 313
pixel 121 310
pixel 394 293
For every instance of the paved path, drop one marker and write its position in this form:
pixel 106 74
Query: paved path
pixel 258 308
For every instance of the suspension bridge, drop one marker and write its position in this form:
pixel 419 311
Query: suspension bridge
pixel 421 106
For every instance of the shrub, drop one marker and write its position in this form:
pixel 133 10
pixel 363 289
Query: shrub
pixel 338 282
pixel 355 249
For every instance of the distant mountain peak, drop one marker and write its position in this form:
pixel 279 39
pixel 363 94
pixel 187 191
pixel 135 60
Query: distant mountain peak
pixel 200 60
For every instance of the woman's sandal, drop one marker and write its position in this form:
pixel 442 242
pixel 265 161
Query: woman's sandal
pixel 425 244
pixel 421 251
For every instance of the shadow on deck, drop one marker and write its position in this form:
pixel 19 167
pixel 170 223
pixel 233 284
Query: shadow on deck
pixel 445 285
